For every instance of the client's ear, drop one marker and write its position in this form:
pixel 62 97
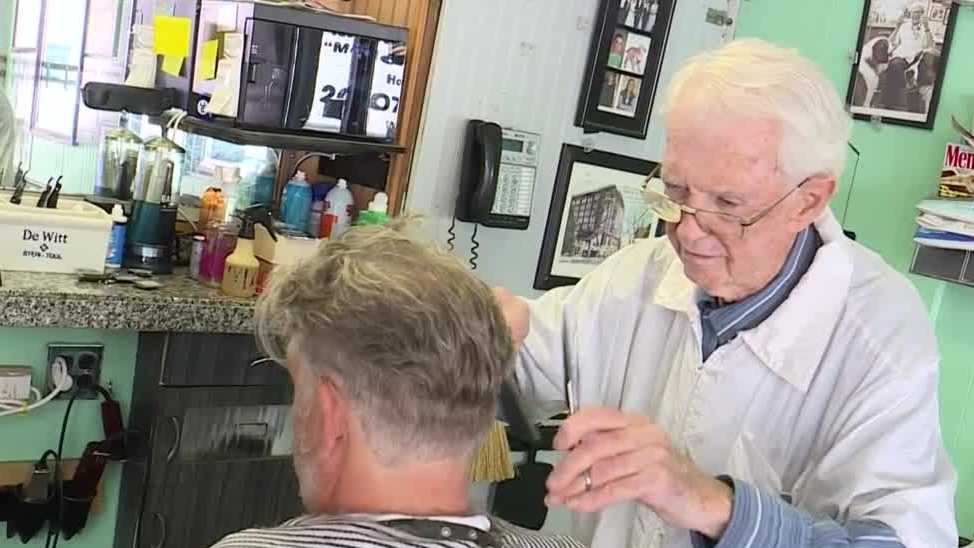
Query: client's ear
pixel 334 412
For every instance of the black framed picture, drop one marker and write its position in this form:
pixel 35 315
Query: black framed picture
pixel 902 56
pixel 623 66
pixel 597 208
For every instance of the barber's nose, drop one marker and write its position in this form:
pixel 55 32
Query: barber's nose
pixel 689 229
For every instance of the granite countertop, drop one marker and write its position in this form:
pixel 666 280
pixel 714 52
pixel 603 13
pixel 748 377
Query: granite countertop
pixel 32 299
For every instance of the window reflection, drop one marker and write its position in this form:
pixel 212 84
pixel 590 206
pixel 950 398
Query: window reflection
pixel 55 47
pixel 58 135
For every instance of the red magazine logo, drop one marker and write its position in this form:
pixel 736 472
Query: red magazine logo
pixel 959 157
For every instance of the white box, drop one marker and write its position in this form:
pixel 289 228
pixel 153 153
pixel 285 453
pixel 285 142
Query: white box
pixel 67 239
pixel 15 382
pixel 285 250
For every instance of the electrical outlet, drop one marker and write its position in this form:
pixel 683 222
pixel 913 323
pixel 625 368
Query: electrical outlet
pixel 15 382
pixel 83 359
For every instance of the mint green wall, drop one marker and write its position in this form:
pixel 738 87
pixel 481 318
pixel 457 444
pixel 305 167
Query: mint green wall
pixel 26 437
pixel 899 167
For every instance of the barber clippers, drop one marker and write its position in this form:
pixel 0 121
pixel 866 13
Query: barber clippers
pixel 80 491
pixel 116 443
pixel 26 507
pixel 37 488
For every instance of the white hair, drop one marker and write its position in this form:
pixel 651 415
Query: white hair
pixel 751 78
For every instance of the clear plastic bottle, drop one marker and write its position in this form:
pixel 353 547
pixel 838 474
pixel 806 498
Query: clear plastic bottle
pixel 339 206
pixel 230 179
pixel 318 192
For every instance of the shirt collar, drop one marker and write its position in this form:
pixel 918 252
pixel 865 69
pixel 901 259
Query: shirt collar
pixel 477 521
pixel 731 318
pixel 792 340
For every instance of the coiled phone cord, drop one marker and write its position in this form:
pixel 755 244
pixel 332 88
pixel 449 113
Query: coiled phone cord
pixel 453 235
pixel 475 245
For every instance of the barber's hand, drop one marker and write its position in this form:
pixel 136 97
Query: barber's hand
pixel 630 459
pixel 516 312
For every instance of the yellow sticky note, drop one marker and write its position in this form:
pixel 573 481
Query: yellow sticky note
pixel 207 66
pixel 172 65
pixel 172 36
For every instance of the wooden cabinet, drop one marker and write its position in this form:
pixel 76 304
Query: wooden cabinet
pixel 218 444
pixel 198 505
pixel 218 360
pixel 421 17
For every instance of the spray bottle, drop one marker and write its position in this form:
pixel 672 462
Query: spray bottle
pixel 242 267
pixel 377 213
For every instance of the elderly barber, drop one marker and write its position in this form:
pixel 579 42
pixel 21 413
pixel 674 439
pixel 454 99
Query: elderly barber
pixel 756 379
pixel 8 141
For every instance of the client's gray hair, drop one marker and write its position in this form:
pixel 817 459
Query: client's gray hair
pixel 416 343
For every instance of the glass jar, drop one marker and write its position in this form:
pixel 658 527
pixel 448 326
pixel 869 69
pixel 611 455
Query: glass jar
pixel 118 162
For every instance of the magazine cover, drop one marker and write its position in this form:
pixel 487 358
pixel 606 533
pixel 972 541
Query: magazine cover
pixel 957 176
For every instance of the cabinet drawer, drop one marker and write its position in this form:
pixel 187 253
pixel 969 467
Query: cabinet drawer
pixel 193 359
pixel 194 508
pixel 220 424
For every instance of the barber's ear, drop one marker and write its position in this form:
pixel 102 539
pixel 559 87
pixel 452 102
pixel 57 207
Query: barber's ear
pixel 333 408
pixel 814 197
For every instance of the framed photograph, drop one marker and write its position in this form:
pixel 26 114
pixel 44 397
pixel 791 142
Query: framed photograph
pixel 637 52
pixel 597 208
pixel 903 48
pixel 617 51
pixel 623 67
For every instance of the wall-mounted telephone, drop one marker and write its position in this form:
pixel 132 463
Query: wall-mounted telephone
pixel 497 176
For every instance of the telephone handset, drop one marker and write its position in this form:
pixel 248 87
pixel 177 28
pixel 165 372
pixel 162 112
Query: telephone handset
pixel 497 176
pixel 478 178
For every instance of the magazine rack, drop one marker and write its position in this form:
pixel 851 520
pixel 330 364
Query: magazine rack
pixel 951 265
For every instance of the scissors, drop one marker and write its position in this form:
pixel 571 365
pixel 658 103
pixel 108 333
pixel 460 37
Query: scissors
pixel 571 394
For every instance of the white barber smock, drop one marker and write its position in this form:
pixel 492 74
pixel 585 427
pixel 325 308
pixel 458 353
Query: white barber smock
pixel 831 401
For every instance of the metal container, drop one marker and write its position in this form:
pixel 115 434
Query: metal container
pixel 160 172
pixel 118 161
pixel 151 231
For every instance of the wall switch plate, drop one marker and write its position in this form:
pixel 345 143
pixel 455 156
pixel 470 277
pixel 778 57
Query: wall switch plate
pixel 83 359
pixel 15 382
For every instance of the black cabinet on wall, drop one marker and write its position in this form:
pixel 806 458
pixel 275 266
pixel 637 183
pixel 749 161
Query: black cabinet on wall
pixel 219 443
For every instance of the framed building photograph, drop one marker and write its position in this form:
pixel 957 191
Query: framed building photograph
pixel 902 57
pixel 597 208
pixel 622 72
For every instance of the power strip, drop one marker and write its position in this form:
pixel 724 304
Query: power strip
pixel 15 382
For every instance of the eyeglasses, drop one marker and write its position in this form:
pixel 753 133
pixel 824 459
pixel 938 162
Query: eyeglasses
pixel 714 222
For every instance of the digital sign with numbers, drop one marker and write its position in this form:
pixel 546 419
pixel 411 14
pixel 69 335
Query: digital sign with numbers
pixel 338 70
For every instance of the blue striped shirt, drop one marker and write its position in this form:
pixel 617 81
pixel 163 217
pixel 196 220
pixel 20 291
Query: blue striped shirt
pixel 720 323
pixel 762 520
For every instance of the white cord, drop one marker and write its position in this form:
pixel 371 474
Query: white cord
pixel 176 116
pixel 311 155
pixel 62 383
pixel 19 404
